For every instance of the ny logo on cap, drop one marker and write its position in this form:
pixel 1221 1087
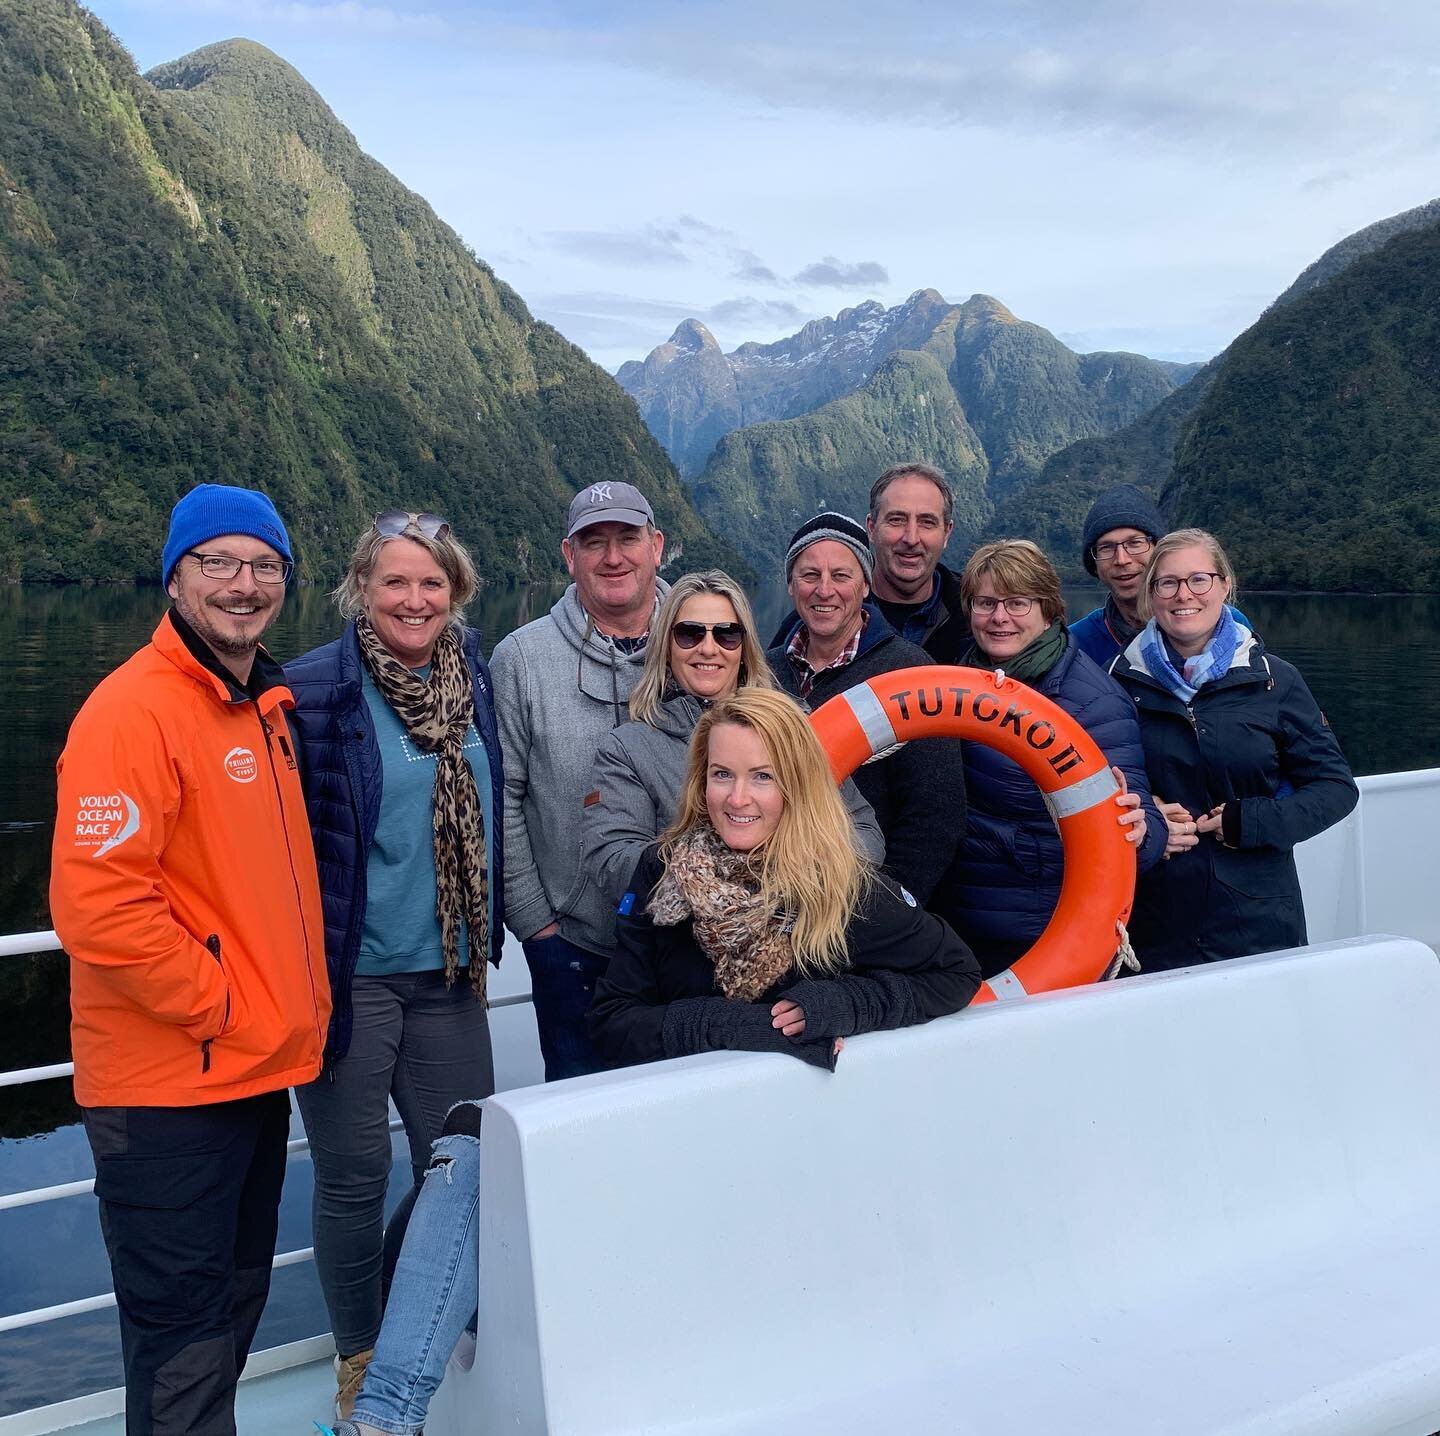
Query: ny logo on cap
pixel 599 493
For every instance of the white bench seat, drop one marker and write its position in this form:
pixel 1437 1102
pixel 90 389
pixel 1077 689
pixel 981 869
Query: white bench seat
pixel 1200 1202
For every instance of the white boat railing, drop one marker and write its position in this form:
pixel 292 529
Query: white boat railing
pixel 1369 873
pixel 33 944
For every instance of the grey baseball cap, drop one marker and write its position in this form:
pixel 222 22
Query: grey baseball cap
pixel 610 503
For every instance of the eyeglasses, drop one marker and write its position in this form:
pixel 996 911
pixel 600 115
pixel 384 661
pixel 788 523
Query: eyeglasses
pixel 689 635
pixel 1015 607
pixel 1137 545
pixel 1197 583
pixel 393 522
pixel 224 565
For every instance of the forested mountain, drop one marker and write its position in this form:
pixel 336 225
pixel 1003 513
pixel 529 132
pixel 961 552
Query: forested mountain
pixel 203 277
pixel 1306 445
pixel 985 395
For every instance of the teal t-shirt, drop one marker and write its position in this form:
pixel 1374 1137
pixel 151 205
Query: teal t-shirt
pixel 401 932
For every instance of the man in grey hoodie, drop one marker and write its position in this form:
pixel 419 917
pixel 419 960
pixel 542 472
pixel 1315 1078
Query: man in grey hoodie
pixel 561 684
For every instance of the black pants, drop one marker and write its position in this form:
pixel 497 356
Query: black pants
pixel 189 1205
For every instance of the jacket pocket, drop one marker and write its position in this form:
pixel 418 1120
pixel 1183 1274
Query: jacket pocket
pixel 1256 873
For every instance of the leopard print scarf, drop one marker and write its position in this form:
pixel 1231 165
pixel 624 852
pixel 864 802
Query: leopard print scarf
pixel 717 889
pixel 436 711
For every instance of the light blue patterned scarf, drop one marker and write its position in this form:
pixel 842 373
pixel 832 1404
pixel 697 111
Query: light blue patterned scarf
pixel 1213 660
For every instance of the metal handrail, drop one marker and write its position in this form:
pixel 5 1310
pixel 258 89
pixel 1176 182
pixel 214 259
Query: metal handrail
pixel 26 944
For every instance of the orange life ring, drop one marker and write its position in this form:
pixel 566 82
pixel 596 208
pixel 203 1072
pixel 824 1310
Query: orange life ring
pixel 1072 773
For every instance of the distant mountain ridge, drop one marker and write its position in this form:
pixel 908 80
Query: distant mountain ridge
pixel 1289 443
pixel 203 277
pixel 691 394
pixel 970 387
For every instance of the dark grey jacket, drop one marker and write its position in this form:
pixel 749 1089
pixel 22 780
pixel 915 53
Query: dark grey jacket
pixel 639 771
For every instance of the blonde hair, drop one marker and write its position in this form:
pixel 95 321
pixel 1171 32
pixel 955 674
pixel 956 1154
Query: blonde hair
pixel 1018 569
pixel 1185 538
pixel 754 671
pixel 812 865
pixel 448 552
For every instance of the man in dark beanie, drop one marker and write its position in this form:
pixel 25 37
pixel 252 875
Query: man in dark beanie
pixel 838 638
pixel 1120 530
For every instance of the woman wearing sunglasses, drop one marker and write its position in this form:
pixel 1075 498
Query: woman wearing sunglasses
pixel 711 651
pixel 401 767
pixel 1241 760
pixel 1005 880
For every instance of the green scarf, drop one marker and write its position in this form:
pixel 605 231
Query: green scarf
pixel 1033 662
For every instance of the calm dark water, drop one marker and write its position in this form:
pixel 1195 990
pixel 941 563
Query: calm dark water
pixel 1370 661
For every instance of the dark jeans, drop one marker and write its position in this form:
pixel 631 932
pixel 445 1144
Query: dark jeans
pixel 189 1203
pixel 562 984
pixel 428 1047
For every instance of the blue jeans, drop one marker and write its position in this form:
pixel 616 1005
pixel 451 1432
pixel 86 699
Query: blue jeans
pixel 562 984
pixel 436 1288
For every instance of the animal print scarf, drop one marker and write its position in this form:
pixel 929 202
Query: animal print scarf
pixel 718 890
pixel 436 711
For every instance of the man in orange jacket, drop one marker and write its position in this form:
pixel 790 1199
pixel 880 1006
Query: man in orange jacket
pixel 184 889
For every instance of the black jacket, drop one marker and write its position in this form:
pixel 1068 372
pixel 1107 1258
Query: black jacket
pixel 1255 740
pixel 658 996
pixel 918 790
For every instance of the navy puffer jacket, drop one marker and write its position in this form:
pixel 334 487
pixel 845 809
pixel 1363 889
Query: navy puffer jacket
pixel 1005 880
pixel 341 771
pixel 1254 739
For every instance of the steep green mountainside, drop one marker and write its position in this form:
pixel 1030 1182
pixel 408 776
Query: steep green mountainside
pixel 1316 450
pixel 203 278
pixel 1243 381
pixel 984 395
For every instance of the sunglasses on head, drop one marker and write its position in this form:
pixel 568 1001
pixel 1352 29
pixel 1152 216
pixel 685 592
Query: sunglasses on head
pixel 393 522
pixel 688 635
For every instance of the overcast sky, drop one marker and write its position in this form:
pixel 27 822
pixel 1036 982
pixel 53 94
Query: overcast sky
pixel 1142 176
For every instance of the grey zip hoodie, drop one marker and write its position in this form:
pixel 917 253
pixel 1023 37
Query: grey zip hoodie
pixel 560 687
pixel 638 774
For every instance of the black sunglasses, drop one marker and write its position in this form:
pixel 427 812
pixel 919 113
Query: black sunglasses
pixel 688 635
pixel 393 522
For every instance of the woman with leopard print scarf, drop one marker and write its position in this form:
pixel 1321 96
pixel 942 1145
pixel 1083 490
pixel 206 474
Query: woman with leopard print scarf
pixel 755 923
pixel 401 766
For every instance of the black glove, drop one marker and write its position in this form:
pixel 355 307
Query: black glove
pixel 715 1024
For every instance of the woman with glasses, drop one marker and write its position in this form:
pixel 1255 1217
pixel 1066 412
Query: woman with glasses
pixel 1241 760
pixel 1005 880
pixel 711 650
pixel 401 767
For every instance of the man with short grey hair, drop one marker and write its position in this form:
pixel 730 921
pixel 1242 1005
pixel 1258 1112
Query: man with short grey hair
pixel 562 683
pixel 911 518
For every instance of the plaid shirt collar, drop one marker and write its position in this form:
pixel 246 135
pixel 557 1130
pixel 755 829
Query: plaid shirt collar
pixel 797 650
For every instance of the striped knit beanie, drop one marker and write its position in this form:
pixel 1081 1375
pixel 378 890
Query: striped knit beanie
pixel 840 528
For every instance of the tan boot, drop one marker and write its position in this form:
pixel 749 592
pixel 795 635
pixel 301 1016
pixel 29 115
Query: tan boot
pixel 350 1375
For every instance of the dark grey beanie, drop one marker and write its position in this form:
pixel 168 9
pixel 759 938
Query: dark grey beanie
pixel 841 528
pixel 1123 507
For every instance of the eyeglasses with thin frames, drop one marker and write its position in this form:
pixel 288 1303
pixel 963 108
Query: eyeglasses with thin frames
pixel 393 522
pixel 690 635
pixel 1198 583
pixel 1015 607
pixel 225 566
pixel 1135 545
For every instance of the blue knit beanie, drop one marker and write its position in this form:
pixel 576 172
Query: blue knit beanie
pixel 1123 507
pixel 210 510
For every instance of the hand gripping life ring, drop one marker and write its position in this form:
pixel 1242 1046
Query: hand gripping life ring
pixel 1071 772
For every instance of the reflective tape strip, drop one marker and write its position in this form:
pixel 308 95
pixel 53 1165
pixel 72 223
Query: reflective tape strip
pixel 1007 986
pixel 870 713
pixel 1082 794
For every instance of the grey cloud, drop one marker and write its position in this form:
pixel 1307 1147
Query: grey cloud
pixel 831 273
pixel 652 245
pixel 751 269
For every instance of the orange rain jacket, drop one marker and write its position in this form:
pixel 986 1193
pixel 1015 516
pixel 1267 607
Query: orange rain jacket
pixel 183 886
